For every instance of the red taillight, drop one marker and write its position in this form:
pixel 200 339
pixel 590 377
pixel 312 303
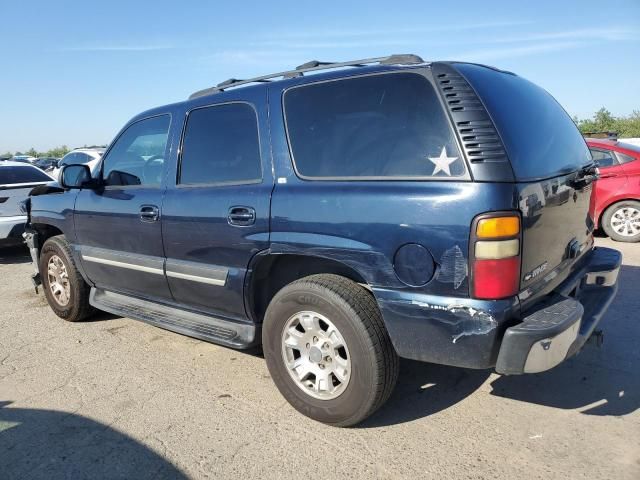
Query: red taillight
pixel 495 256
pixel 494 279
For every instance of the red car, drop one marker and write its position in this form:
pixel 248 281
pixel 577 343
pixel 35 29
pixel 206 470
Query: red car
pixel 615 202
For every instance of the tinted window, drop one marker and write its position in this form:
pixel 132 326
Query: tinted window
pixel 541 139
pixel 221 145
pixel 70 159
pixel 389 125
pixel 137 157
pixel 603 157
pixel 624 158
pixel 18 174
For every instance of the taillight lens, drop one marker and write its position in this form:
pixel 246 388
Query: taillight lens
pixel 495 256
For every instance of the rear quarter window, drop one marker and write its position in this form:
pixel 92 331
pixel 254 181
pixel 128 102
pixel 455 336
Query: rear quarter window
pixel 381 126
pixel 541 139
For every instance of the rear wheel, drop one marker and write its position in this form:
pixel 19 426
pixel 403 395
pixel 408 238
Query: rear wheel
pixel 621 221
pixel 328 351
pixel 66 291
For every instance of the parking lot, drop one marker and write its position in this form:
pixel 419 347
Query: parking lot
pixel 116 398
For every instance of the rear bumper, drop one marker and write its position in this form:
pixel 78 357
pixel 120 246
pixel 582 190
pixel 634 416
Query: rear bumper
pixel 558 328
pixel 482 334
pixel 11 228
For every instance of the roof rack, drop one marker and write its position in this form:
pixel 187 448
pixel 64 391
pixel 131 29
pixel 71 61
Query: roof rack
pixel 313 65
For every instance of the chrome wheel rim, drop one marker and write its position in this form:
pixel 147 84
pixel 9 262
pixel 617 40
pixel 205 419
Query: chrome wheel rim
pixel 626 221
pixel 58 280
pixel 316 355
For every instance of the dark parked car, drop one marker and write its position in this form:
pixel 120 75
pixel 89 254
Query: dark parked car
pixel 342 216
pixel 46 163
pixel 16 181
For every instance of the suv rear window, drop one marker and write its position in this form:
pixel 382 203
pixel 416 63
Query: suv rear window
pixel 18 174
pixel 378 126
pixel 541 139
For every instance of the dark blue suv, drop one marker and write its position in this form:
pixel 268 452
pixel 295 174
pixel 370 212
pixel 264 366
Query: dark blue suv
pixel 341 216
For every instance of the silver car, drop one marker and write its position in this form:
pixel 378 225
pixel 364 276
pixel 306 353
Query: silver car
pixel 16 181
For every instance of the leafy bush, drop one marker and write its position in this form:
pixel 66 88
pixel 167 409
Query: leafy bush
pixel 603 121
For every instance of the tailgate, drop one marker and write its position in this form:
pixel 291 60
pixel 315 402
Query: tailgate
pixel 556 229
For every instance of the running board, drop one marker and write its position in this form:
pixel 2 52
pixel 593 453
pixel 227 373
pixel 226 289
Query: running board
pixel 203 327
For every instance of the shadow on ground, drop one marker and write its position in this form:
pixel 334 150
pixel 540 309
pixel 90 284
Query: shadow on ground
pixel 599 381
pixel 14 254
pixel 424 389
pixel 44 444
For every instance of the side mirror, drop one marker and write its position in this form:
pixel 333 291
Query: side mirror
pixel 75 176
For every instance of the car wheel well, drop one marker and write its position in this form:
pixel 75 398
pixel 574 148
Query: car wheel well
pixel 45 232
pixel 273 272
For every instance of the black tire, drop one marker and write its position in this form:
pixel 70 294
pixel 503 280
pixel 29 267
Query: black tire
pixel 354 312
pixel 608 215
pixel 77 307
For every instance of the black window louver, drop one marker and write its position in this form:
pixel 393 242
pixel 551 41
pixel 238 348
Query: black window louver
pixel 477 134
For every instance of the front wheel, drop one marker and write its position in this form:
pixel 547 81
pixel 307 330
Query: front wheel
pixel 66 291
pixel 328 351
pixel 621 221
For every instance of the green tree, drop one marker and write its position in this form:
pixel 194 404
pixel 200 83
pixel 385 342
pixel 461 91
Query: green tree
pixel 603 121
pixel 32 152
pixel 58 152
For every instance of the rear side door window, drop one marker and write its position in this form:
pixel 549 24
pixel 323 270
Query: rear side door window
pixel 221 146
pixel 604 158
pixel 385 126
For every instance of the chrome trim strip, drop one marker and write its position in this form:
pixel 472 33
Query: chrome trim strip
pixel 195 278
pixel 115 263
pixel 196 272
pixel 14 219
pixel 179 269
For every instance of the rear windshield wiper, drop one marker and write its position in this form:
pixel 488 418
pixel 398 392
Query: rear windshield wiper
pixel 586 175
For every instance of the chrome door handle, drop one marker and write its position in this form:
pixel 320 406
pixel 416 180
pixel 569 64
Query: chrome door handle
pixel 241 216
pixel 149 213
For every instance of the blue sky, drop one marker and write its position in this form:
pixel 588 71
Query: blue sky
pixel 74 72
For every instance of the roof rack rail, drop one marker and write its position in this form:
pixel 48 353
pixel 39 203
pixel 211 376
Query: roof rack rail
pixel 311 66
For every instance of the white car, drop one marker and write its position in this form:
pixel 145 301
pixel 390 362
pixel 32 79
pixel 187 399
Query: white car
pixel 79 156
pixel 16 181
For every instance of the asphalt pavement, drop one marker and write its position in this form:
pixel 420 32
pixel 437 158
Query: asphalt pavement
pixel 117 398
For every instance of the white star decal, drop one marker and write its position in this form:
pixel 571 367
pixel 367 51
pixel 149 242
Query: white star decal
pixel 442 162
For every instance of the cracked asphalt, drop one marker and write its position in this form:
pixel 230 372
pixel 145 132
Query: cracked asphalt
pixel 116 398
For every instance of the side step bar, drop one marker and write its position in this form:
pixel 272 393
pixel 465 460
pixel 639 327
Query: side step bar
pixel 210 329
